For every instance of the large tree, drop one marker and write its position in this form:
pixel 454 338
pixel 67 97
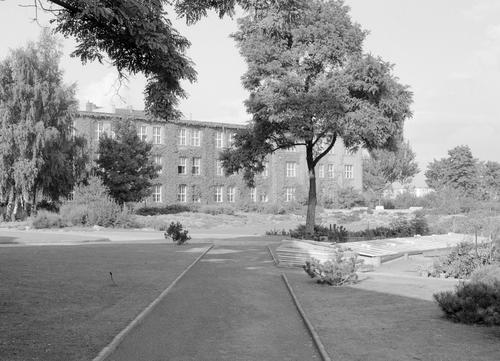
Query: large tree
pixel 310 85
pixel 38 154
pixel 125 164
pixel 138 37
pixel 459 171
pixel 384 167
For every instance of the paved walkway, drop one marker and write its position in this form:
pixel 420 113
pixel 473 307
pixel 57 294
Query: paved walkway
pixel 232 305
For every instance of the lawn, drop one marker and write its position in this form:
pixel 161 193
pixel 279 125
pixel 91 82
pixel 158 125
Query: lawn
pixel 360 324
pixel 59 303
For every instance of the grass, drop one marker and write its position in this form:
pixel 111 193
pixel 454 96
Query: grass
pixel 59 303
pixel 357 324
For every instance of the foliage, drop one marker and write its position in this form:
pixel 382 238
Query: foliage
pixel 472 303
pixel 170 209
pixel 215 210
pixel 321 233
pixel 310 85
pixel 176 233
pixel 345 198
pixel 125 164
pixel 384 167
pixel 277 232
pixel 92 205
pixel 398 228
pixel 463 260
pixel 338 271
pixel 38 155
pixel 488 274
pixel 46 219
pixel 460 172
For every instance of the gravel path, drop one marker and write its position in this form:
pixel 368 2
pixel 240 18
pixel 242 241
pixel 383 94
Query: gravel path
pixel 232 305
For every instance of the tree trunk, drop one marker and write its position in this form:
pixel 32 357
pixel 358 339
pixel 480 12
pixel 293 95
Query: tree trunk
pixel 10 205
pixel 16 208
pixel 311 200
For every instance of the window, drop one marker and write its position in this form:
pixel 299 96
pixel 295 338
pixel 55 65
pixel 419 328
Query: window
pixel 230 139
pixel 182 193
pixel 291 149
pixel 182 167
pixel 195 195
pixel 196 170
pixel 218 194
pixel 157 194
pixel 219 170
pixel 265 172
pixel 159 162
pixel 321 171
pixel 263 197
pixel 143 135
pixel 156 135
pixel 253 194
pixel 195 137
pixel 289 194
pixel 219 140
pixel 99 130
pixel 331 171
pixel 348 171
pixel 291 169
pixel 231 194
pixel 182 136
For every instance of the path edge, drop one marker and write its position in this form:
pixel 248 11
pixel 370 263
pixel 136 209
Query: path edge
pixel 276 263
pixel 314 335
pixel 108 350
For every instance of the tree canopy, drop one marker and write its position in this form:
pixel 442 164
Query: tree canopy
pixel 125 164
pixel 310 84
pixel 38 154
pixel 384 167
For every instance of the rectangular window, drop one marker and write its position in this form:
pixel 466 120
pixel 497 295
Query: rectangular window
pixel 99 130
pixel 195 137
pixel 265 172
pixel 253 194
pixel 143 135
pixel 218 194
pixel 321 171
pixel 348 171
pixel 230 139
pixel 231 194
pixel 291 169
pixel 182 136
pixel 331 171
pixel 182 193
pixel 182 167
pixel 264 198
pixel 157 194
pixel 159 162
pixel 291 149
pixel 156 135
pixel 219 170
pixel 219 140
pixel 289 194
pixel 196 170
pixel 195 195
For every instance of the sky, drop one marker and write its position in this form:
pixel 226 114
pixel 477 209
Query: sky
pixel 447 51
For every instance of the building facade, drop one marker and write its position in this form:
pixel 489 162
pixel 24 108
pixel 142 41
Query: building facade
pixel 191 170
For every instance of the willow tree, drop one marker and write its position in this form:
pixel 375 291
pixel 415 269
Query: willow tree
pixel 311 85
pixel 38 154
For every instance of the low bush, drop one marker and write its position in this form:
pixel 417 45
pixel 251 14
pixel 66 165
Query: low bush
pixel 340 270
pixel 463 260
pixel 472 303
pixel 215 210
pixel 46 219
pixel 48 206
pixel 321 233
pixel 401 227
pixel 170 209
pixel 176 232
pixel 277 232
pixel 488 274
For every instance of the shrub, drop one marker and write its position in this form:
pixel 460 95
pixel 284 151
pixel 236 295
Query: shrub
pixel 338 271
pixel 170 209
pixel 463 260
pixel 348 197
pixel 488 274
pixel 46 219
pixel 215 210
pixel 176 233
pixel 472 303
pixel 332 233
pixel 48 206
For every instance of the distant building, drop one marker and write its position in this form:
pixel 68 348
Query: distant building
pixel 188 152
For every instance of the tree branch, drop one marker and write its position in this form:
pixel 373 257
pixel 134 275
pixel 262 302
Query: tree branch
pixel 325 152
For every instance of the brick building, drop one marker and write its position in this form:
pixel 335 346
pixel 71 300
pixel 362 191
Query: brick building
pixel 188 152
